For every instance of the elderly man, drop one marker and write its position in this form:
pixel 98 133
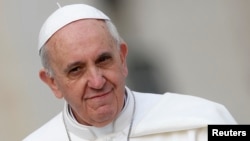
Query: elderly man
pixel 84 61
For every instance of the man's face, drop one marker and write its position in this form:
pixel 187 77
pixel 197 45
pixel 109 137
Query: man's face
pixel 90 71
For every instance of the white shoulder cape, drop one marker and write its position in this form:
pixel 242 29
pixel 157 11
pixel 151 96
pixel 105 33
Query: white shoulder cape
pixel 155 114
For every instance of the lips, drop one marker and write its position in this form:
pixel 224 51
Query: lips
pixel 98 96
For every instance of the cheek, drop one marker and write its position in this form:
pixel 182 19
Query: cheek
pixel 73 92
pixel 116 77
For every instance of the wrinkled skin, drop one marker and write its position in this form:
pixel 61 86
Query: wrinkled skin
pixel 89 71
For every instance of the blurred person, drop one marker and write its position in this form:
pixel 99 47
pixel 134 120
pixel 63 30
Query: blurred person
pixel 84 63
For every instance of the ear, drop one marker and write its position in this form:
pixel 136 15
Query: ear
pixel 50 81
pixel 123 56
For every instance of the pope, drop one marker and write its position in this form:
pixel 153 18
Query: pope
pixel 84 63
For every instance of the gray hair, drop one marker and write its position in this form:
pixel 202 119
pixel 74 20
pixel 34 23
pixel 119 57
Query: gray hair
pixel 44 54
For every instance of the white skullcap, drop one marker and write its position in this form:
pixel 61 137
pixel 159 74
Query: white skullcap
pixel 65 15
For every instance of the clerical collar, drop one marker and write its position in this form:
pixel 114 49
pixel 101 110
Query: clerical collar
pixel 91 132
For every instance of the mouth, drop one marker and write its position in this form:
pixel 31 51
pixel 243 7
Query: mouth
pixel 98 96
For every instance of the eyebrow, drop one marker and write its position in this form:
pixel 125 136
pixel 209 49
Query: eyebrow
pixel 79 63
pixel 104 54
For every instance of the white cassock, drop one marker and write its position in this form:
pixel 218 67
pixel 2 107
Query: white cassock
pixel 167 117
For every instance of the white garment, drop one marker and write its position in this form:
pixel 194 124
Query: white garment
pixel 170 116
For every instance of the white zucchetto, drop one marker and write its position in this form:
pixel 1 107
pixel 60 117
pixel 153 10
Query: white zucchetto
pixel 65 15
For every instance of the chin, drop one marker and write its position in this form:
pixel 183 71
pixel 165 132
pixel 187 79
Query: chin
pixel 104 119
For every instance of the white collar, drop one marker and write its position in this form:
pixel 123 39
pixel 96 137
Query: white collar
pixel 90 132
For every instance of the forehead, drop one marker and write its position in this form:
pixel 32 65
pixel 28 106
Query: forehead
pixel 81 28
pixel 79 36
pixel 87 29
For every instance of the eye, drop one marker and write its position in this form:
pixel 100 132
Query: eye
pixel 104 59
pixel 75 71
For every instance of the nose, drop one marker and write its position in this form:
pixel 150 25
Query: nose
pixel 95 78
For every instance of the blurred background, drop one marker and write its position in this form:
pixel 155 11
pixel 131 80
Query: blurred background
pixel 191 47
